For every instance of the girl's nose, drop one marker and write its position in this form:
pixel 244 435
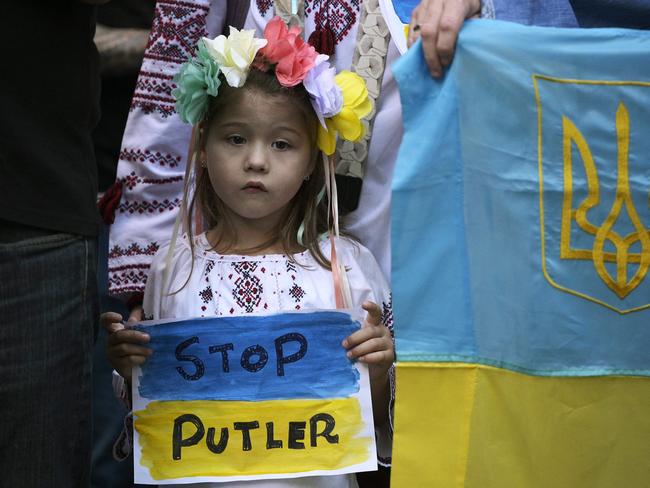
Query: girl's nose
pixel 256 159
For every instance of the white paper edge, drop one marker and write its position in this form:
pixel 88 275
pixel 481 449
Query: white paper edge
pixel 395 25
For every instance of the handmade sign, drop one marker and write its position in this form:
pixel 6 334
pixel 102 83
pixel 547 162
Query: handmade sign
pixel 251 397
pixel 397 14
pixel 521 261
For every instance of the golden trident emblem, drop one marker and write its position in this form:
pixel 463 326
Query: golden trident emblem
pixel 623 204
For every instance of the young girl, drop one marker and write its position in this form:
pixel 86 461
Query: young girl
pixel 264 111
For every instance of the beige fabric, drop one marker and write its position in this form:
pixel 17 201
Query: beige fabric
pixel 369 62
pixel 283 10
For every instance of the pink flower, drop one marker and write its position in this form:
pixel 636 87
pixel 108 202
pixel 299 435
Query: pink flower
pixel 292 55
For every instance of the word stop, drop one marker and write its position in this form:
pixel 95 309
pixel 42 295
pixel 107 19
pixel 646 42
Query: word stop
pixel 252 359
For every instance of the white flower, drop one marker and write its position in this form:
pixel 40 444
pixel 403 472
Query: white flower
pixel 234 54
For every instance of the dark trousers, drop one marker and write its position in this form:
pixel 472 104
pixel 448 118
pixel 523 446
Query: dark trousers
pixel 108 411
pixel 48 320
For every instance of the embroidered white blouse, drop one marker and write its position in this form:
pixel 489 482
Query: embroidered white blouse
pixel 237 285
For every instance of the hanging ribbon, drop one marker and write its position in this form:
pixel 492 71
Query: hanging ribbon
pixel 342 294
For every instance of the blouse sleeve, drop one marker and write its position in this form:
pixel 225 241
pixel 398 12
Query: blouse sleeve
pixel 154 148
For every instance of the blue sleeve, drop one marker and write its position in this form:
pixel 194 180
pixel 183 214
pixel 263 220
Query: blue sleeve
pixel 555 13
pixel 631 14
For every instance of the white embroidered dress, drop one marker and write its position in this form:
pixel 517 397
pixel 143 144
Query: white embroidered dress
pixel 237 285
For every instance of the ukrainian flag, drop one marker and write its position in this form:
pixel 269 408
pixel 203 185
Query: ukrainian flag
pixel 521 257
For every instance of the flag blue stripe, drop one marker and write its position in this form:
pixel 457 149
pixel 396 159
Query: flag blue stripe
pixel 468 232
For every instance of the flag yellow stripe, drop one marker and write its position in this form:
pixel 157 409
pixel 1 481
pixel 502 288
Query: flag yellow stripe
pixel 473 426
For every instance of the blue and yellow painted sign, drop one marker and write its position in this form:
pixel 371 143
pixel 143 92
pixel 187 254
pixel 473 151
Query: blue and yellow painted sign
pixel 251 397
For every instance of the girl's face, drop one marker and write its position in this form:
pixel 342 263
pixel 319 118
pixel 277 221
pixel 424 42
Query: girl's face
pixel 258 152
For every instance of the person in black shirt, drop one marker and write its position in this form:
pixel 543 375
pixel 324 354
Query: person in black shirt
pixel 48 226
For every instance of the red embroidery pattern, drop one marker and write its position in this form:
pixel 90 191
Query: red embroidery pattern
pixel 297 293
pixel 176 29
pixel 153 92
pixel 149 207
pixel 338 15
pixel 133 250
pixel 248 288
pixel 142 156
pixel 133 180
pixel 127 279
pixel 206 294
pixel 208 268
pixel 264 5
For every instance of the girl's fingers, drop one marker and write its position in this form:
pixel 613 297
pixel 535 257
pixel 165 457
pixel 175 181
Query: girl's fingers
pixel 111 321
pixel 374 313
pixel 362 335
pixel 125 349
pixel 127 335
pixel 136 314
pixel 378 357
pixel 371 345
pixel 138 360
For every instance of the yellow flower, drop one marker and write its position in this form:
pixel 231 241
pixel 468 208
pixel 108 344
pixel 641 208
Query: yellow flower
pixel 347 122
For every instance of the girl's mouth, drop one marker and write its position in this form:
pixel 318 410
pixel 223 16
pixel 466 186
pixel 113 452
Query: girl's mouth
pixel 254 187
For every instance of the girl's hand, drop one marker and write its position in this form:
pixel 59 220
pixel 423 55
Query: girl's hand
pixel 124 346
pixel 372 344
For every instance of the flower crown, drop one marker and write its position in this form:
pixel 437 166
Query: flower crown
pixel 339 100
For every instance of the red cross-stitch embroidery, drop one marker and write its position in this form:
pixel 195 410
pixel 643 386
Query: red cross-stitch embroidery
pixel 176 29
pixel 133 250
pixel 341 15
pixel 154 206
pixel 264 5
pixel 145 155
pixel 297 293
pixel 127 279
pixel 132 180
pixel 206 294
pixel 248 288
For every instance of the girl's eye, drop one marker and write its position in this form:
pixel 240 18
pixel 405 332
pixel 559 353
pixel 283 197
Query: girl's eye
pixel 236 140
pixel 281 145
